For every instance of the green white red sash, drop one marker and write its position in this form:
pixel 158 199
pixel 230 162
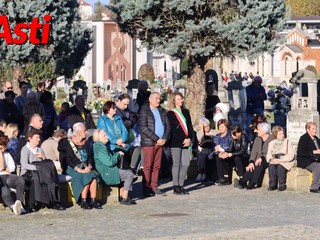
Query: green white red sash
pixel 182 120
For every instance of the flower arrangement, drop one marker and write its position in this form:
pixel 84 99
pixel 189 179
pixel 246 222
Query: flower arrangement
pixel 257 119
pixel 280 98
pixel 97 104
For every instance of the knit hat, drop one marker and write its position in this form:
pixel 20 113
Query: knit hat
pixel 223 107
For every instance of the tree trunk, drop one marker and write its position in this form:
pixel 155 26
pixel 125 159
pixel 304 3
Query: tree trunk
pixel 196 95
pixel 18 76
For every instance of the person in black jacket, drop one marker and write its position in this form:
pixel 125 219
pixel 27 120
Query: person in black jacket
pixel 308 154
pixel 238 149
pixel 180 141
pixel 155 132
pixel 78 113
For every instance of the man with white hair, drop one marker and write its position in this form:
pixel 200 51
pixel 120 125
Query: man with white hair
pixel 155 131
pixel 253 176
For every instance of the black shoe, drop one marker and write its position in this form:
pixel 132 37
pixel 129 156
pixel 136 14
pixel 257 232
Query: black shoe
pixel 185 192
pixel 314 190
pixel 272 188
pixel 238 184
pixel 127 201
pixel 178 191
pixel 95 205
pixel 58 207
pixel 222 182
pixel 282 188
pixel 251 186
pixel 85 205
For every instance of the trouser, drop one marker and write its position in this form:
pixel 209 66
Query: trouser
pixel 126 177
pixel 224 167
pixel 256 176
pixel 181 162
pixel 6 194
pixel 135 156
pixel 314 168
pixel 277 173
pixel 239 161
pixel 15 182
pixel 151 166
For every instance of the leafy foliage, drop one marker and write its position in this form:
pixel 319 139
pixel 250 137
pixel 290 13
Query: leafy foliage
pixel 202 29
pixel 304 8
pixel 36 72
pixel 69 41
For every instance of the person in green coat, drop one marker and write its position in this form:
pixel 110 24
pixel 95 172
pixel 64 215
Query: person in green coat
pixel 107 166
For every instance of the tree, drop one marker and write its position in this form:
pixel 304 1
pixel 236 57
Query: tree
pixel 99 8
pixel 69 41
pixel 202 29
pixel 304 8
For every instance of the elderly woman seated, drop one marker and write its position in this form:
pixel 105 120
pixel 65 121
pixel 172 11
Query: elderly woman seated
pixel 76 153
pixel 40 175
pixel 107 166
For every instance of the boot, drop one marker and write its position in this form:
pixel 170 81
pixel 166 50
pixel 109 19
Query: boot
pixel 94 204
pixel 85 205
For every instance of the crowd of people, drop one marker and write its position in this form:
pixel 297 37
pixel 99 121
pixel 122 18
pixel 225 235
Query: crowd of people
pixel 53 148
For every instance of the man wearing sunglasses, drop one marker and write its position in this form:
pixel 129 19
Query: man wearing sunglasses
pixel 7 86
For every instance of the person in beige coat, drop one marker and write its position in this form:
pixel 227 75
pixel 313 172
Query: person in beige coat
pixel 280 157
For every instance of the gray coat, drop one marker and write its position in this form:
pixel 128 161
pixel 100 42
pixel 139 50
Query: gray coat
pixel 259 150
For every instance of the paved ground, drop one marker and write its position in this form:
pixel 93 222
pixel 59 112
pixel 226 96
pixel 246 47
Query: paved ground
pixel 209 212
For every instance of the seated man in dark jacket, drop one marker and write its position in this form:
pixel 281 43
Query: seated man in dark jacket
pixel 308 154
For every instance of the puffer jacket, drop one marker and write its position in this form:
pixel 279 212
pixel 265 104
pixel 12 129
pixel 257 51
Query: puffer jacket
pixel 147 126
pixel 114 129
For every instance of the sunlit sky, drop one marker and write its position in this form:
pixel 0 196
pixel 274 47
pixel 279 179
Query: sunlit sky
pixel 93 1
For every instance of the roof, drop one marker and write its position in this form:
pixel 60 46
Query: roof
pixel 295 48
pixel 304 19
pixel 83 3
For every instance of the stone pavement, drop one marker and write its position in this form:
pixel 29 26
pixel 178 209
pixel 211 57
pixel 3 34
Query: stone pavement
pixel 209 212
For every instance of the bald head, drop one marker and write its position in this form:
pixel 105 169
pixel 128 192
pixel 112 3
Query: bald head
pixel 154 100
pixel 7 86
pixel 36 121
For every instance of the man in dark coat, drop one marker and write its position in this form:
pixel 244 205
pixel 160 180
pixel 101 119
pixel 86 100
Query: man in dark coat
pixel 155 132
pixel 78 113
